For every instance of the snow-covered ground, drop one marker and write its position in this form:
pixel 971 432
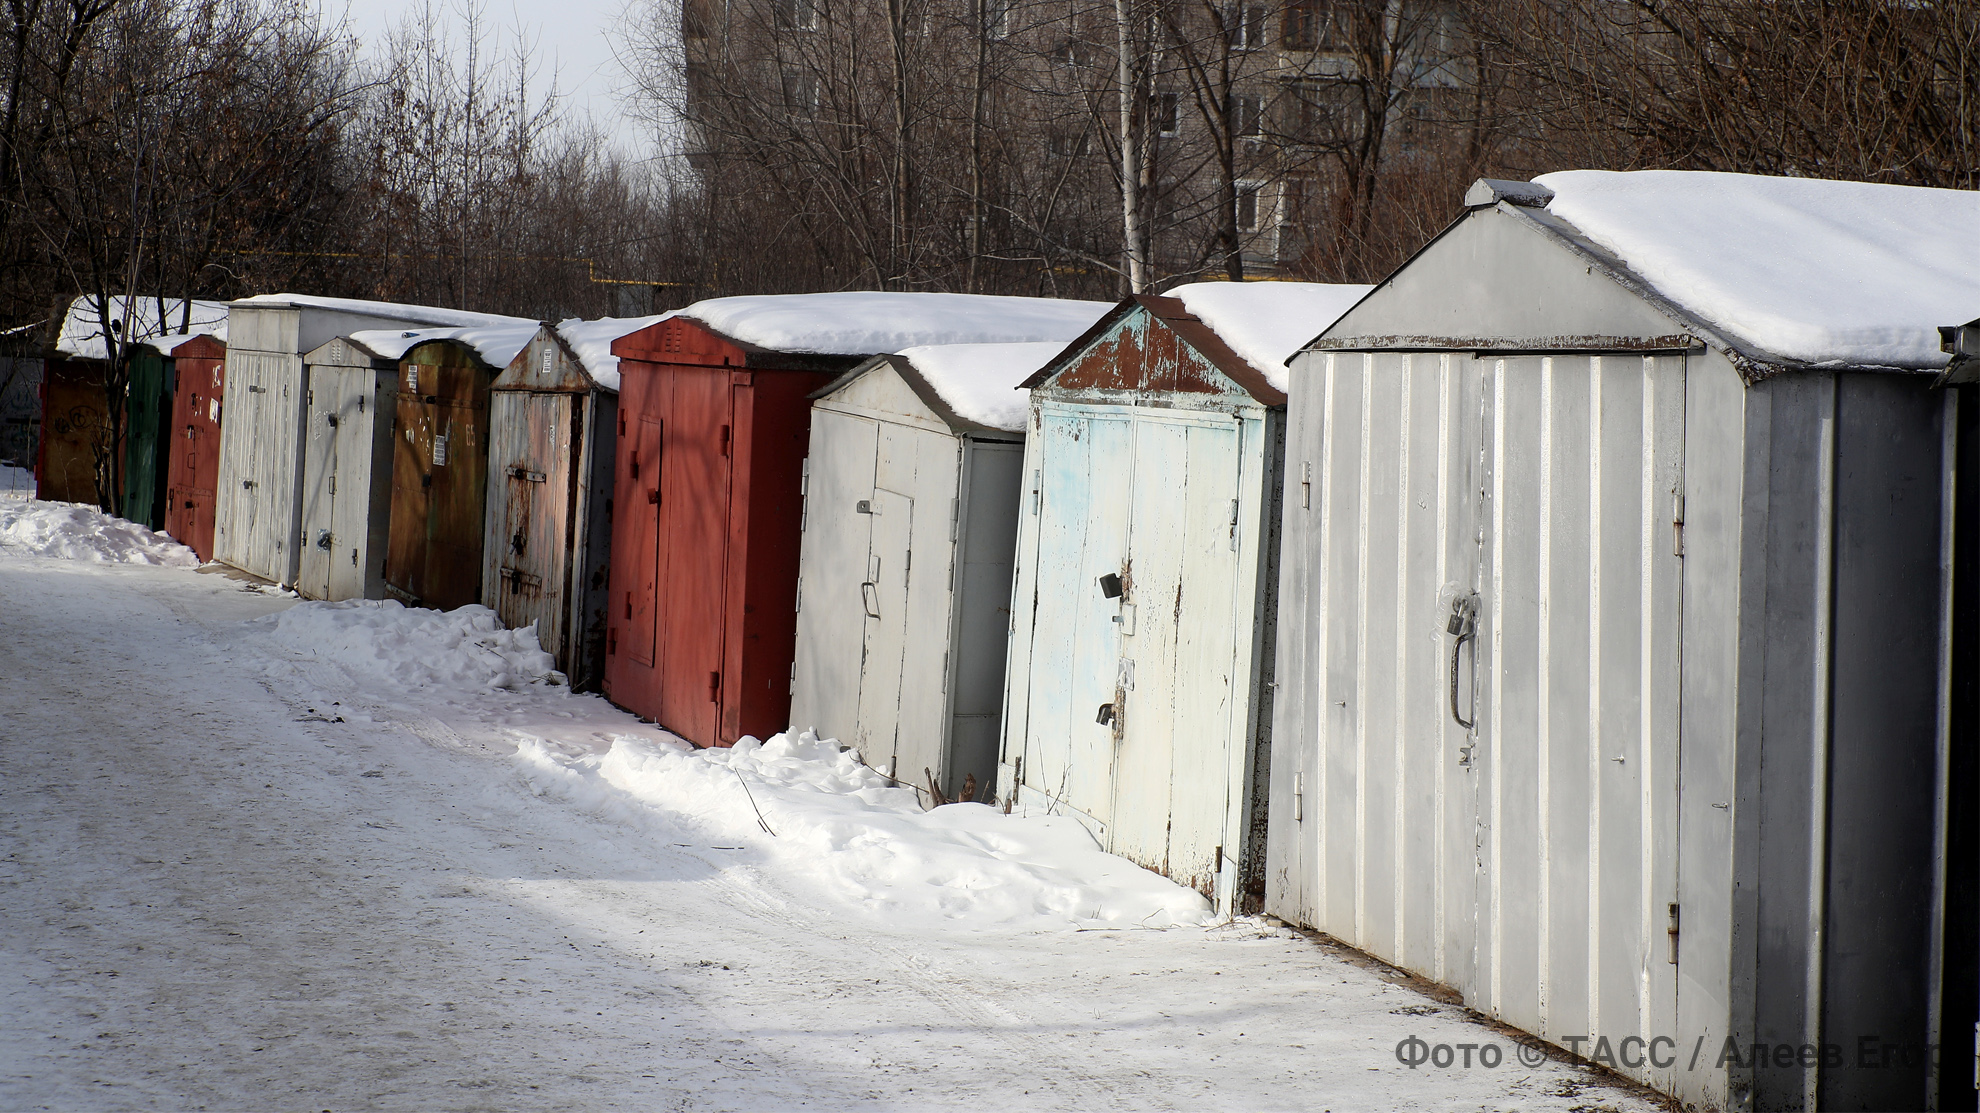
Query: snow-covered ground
pixel 256 853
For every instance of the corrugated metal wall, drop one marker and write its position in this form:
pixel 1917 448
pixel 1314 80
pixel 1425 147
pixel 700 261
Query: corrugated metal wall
pixel 1531 862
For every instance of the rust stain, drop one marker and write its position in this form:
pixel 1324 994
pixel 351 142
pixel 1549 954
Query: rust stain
pixel 1142 355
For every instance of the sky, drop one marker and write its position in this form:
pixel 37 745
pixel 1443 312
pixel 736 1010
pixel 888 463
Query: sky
pixel 570 39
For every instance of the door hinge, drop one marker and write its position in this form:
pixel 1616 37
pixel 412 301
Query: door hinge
pixel 793 677
pixel 715 687
pixel 1306 485
pixel 1672 933
pixel 1299 797
pixel 333 484
pixel 1234 523
pixel 725 440
pixel 1677 523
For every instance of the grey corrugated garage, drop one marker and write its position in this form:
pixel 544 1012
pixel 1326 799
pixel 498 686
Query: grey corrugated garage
pixel 1613 643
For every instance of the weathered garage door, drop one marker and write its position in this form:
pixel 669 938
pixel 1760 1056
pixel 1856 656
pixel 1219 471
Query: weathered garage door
pixel 1526 502
pixel 832 611
pixel 195 453
pixel 259 461
pixel 527 552
pixel 697 431
pixel 1066 644
pixel 439 481
pixel 345 491
pixel 1179 704
pixel 1134 712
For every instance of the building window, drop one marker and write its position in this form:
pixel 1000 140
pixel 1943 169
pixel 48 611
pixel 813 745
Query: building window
pixel 1311 25
pixel 1064 144
pixel 800 15
pixel 1247 115
pixel 1317 113
pixel 1247 206
pixel 1168 114
pixel 800 93
pixel 1295 203
pixel 996 19
pixel 1245 24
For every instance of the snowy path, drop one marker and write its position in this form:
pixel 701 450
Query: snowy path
pixel 212 898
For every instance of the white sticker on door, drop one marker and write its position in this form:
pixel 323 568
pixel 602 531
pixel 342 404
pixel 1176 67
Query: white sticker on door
pixel 440 451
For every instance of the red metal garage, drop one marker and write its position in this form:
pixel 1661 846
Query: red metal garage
pixel 194 469
pixel 714 419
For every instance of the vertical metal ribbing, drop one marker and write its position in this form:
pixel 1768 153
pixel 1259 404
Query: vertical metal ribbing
pixel 1361 662
pixel 1543 702
pixel 1595 538
pixel 1648 536
pixel 1400 867
pixel 1439 879
pixel 1320 814
pixel 1492 759
pixel 1818 805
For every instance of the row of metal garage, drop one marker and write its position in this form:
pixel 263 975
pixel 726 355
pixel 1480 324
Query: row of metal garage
pixel 1583 617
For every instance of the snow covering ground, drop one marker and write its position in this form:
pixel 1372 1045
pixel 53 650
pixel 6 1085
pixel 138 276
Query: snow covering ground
pixel 256 853
pixel 1854 273
pixel 980 381
pixel 74 531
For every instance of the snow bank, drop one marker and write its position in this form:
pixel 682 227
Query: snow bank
pixel 1266 322
pixel 980 381
pixel 827 817
pixel 496 344
pixel 82 335
pixel 592 341
pixel 1849 273
pixel 72 531
pixel 870 323
pixel 386 644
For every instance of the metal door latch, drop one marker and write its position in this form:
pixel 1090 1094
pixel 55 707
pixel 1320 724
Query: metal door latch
pixel 1462 626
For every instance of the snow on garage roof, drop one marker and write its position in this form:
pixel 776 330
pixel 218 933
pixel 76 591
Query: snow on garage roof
pixel 82 333
pixel 979 383
pixel 875 322
pixel 417 314
pixel 495 344
pixel 1823 272
pixel 591 341
pixel 1266 322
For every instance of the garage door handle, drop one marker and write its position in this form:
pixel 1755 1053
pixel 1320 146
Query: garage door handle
pixel 869 592
pixel 1463 627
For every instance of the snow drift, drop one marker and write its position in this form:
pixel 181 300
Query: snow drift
pixel 72 531
pixel 830 819
pixel 389 645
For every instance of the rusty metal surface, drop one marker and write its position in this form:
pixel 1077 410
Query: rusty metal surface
pixel 193 470
pixel 703 575
pixel 75 431
pixel 439 477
